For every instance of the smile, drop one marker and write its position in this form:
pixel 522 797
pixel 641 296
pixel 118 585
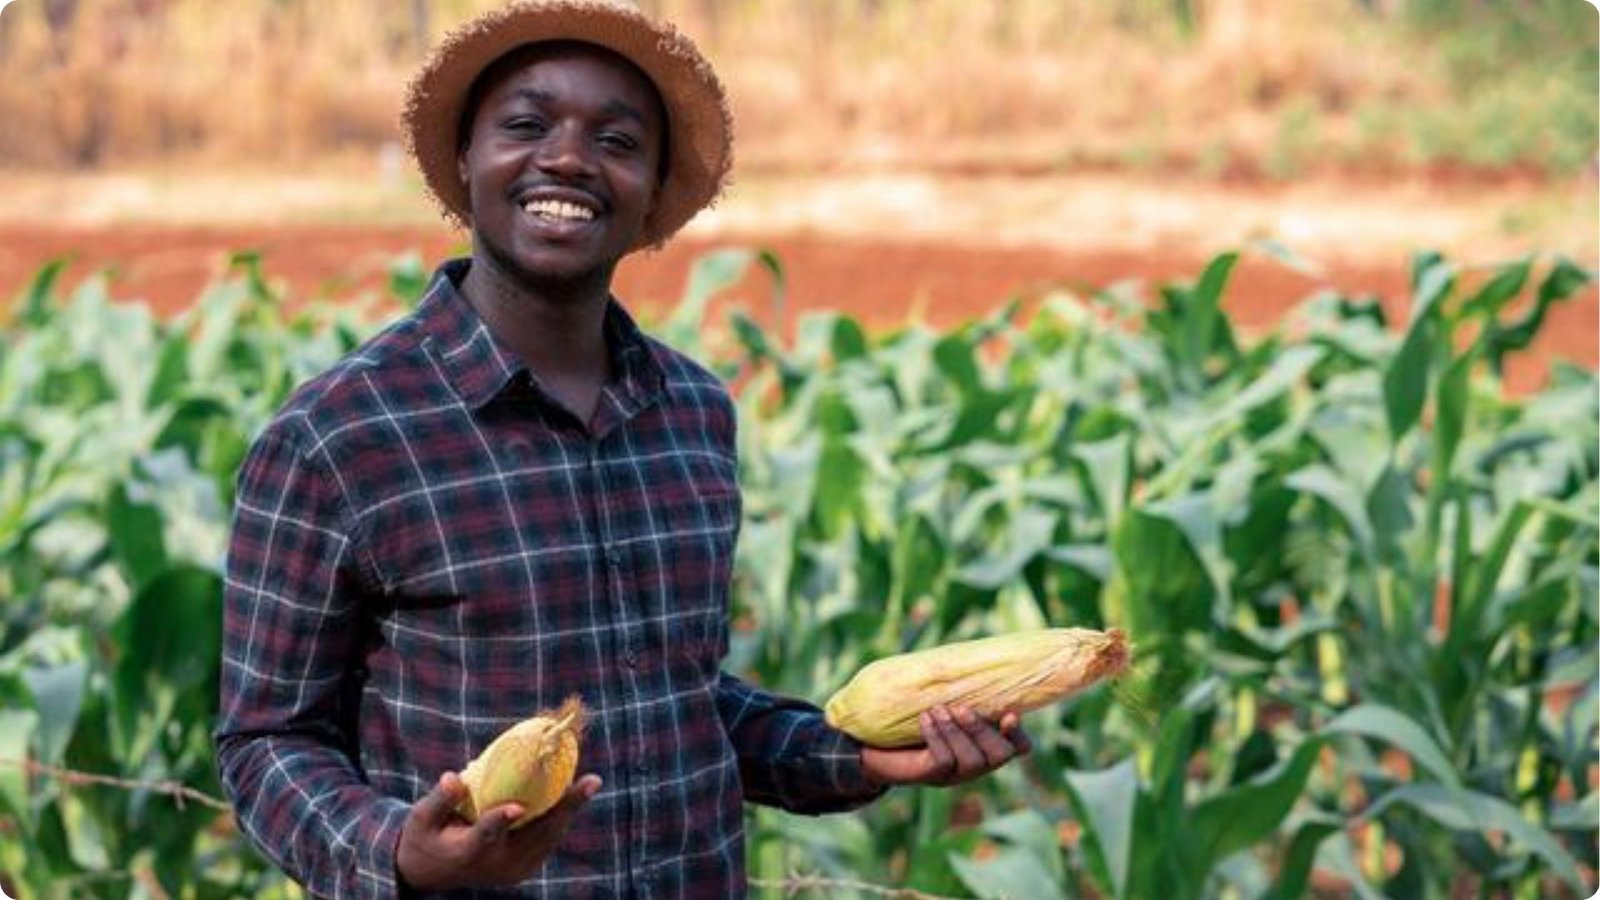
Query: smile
pixel 558 211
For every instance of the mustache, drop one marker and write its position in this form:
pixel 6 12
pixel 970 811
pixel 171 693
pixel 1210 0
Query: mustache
pixel 562 189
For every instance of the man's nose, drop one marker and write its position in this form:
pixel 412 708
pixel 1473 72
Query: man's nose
pixel 565 152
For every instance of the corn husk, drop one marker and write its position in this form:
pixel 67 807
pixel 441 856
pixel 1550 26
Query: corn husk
pixel 530 763
pixel 991 676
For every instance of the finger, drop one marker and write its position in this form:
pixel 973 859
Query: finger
pixel 438 806
pixel 1011 727
pixel 577 795
pixel 491 827
pixel 969 758
pixel 990 742
pixel 543 832
pixel 939 753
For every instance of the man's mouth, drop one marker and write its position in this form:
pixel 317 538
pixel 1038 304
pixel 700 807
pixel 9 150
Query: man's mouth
pixel 558 211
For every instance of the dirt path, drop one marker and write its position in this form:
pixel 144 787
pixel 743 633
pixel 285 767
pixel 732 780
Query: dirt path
pixel 880 280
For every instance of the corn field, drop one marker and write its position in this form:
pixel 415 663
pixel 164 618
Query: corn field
pixel 1360 578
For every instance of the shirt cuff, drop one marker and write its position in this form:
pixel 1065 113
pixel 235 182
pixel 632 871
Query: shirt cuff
pixel 841 757
pixel 379 876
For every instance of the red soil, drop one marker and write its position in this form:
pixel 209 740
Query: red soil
pixel 881 281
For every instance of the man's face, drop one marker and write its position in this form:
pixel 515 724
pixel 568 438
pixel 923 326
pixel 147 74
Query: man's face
pixel 560 162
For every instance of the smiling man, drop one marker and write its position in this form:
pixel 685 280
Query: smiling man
pixel 511 496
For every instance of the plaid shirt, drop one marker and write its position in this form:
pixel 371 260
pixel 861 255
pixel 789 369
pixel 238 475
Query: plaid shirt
pixel 427 549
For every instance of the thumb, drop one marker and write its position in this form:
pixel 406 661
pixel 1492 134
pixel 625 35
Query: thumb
pixel 438 806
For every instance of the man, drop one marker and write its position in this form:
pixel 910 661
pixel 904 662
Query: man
pixel 512 495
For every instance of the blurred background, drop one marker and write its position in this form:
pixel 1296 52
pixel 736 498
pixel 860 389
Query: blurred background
pixel 1298 388
pixel 938 151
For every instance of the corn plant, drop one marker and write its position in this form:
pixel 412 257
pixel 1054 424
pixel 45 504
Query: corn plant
pixel 120 435
pixel 1356 570
pixel 1361 579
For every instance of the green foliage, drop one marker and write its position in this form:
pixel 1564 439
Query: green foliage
pixel 1522 79
pixel 1355 571
pixel 120 435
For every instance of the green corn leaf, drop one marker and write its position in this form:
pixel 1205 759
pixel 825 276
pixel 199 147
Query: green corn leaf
pixel 711 275
pixel 1027 535
pixel 1465 622
pixel 17 727
pixel 1170 588
pixel 1278 250
pixel 1105 467
pixel 36 306
pixel 158 657
pixel 1237 818
pixel 58 693
pixel 1405 381
pixel 1453 403
pixel 1389 512
pixel 135 532
pixel 1325 484
pixel 956 358
pixel 408 279
pixel 1497 291
pixel 1285 371
pixel 1104 803
pixel 1563 281
pixel 1406 378
pixel 1394 727
pixel 1011 874
pixel 1029 830
pixel 1467 810
pixel 1294 874
pixel 1580 815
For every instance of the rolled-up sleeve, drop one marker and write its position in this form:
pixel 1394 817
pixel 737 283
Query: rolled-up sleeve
pixel 789 756
pixel 285 741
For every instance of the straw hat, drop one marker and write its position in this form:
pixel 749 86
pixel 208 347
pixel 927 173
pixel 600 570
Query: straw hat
pixel 699 126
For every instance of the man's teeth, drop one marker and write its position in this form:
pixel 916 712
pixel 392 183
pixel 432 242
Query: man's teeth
pixel 558 209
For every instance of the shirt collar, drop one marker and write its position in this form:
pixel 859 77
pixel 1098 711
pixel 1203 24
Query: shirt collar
pixel 480 369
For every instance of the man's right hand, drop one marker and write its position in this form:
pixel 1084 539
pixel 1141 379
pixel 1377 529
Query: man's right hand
pixel 440 851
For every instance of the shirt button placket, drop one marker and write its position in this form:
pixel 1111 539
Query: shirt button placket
pixel 614 558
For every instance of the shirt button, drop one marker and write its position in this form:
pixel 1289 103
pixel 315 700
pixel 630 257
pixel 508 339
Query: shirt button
pixel 642 767
pixel 614 558
pixel 630 656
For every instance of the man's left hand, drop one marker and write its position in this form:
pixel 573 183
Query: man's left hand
pixel 958 746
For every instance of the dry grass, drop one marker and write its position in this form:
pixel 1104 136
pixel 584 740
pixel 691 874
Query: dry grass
pixel 1249 86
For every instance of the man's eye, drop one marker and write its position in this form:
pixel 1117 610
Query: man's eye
pixel 617 141
pixel 525 125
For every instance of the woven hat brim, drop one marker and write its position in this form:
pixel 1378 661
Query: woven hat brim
pixel 700 125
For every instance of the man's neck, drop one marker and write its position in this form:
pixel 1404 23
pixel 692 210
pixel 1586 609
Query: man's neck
pixel 557 329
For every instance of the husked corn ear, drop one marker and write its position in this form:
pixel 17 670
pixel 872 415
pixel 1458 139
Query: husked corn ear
pixel 991 676
pixel 530 763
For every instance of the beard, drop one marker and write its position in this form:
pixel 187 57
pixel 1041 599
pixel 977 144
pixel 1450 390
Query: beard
pixel 552 285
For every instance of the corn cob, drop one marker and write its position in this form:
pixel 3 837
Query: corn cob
pixel 991 676
pixel 530 763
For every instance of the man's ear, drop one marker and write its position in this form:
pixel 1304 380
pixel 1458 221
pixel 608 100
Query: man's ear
pixel 461 165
